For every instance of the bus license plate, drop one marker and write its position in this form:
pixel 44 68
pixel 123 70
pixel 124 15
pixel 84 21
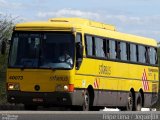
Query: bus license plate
pixel 37 99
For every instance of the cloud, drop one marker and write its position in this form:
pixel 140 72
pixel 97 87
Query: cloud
pixel 10 5
pixel 155 34
pixel 102 17
pixel 124 18
pixel 2 1
pixel 147 26
pixel 1 13
pixel 99 16
pixel 69 13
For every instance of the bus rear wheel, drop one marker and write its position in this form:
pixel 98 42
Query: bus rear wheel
pixel 139 102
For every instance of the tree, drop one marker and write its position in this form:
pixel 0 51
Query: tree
pixel 6 27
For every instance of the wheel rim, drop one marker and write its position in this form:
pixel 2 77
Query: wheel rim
pixel 86 102
pixel 130 102
pixel 139 103
pixel 139 107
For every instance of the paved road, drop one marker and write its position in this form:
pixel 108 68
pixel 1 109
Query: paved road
pixel 77 115
pixel 45 115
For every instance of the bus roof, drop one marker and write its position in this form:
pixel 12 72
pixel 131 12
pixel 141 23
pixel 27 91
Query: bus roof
pixel 85 26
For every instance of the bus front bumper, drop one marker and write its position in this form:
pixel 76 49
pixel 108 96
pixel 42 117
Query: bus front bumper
pixel 46 98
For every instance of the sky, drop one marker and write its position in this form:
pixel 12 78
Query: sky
pixel 139 17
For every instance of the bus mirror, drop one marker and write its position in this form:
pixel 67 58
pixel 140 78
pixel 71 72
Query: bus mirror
pixel 79 54
pixel 79 49
pixel 3 47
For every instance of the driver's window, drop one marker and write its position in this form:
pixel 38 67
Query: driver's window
pixel 79 38
pixel 79 50
pixel 78 43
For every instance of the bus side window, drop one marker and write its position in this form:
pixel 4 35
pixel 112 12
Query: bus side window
pixel 142 54
pixel 89 45
pixel 99 47
pixel 112 49
pixel 133 53
pixel 153 55
pixel 123 51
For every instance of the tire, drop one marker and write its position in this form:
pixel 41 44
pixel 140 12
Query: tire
pixel 130 102
pixel 139 102
pixel 86 103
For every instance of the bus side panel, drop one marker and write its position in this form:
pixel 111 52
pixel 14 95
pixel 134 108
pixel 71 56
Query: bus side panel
pixel 113 85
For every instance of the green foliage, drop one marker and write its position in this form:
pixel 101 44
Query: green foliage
pixel 6 27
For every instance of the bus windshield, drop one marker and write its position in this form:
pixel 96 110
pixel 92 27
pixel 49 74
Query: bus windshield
pixel 53 50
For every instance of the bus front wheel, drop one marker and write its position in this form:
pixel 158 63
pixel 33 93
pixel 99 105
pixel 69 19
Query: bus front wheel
pixel 86 102
pixel 130 102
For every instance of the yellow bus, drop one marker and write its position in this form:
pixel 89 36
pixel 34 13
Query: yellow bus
pixel 74 62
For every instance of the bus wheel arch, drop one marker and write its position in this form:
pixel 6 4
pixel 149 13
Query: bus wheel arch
pixel 91 94
pixel 142 94
pixel 88 98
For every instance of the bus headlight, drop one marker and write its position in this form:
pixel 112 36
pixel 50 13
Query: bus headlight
pixel 66 88
pixel 13 86
pixel 69 88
